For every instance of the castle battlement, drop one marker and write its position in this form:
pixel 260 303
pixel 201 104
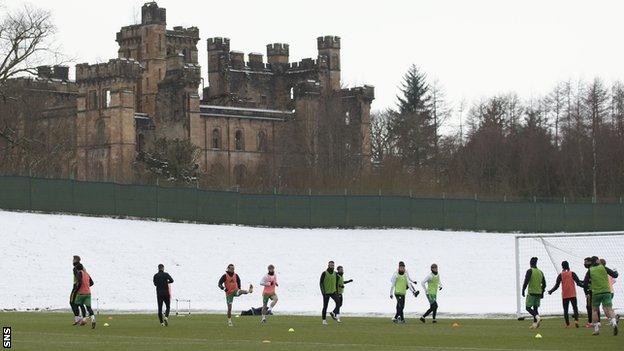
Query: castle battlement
pixel 277 49
pixel 113 69
pixel 179 31
pixel 328 42
pixel 152 14
pixel 306 63
pixel 218 44
pixel 366 92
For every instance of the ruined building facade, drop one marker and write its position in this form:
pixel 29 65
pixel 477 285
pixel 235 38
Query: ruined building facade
pixel 152 90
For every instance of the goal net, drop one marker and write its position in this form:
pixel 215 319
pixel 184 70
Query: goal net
pixel 551 250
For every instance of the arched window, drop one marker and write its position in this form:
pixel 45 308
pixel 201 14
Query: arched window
pixel 216 139
pixel 98 172
pixel 100 132
pixel 347 118
pixel 239 141
pixel 262 142
pixel 240 173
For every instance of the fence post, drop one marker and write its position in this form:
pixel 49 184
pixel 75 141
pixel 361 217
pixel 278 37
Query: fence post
pixel 565 215
pixel 621 213
pixel 535 212
pixel 346 204
pixel 157 199
pixel 476 219
pixel 593 213
pixel 309 208
pixel 30 206
pixel 73 196
pixel 115 199
pixel 380 210
pixel 274 206
pixel 444 213
pixel 238 206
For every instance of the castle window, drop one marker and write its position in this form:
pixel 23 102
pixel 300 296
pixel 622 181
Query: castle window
pixel 292 93
pixel 216 139
pixel 140 145
pixel 262 142
pixel 106 98
pixel 347 118
pixel 159 42
pixel 100 132
pixel 239 141
pixel 185 54
pixel 92 100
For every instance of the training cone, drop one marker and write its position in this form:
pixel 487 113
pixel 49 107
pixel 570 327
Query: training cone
pixel 291 330
pixel 106 324
pixel 538 336
pixel 110 318
pixel 266 341
pixel 455 325
pixel 237 316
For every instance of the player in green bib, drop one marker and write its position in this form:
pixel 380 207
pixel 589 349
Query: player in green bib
pixel 535 281
pixel 335 314
pixel 329 288
pixel 399 284
pixel 597 279
pixel 431 284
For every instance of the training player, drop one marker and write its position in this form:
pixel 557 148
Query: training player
pixel 72 295
pixel 568 279
pixel 269 281
pixel 335 314
pixel 611 279
pixel 597 278
pixel 230 283
pixel 534 279
pixel 431 284
pixel 329 288
pixel 587 262
pixel 399 284
pixel 162 280
pixel 83 292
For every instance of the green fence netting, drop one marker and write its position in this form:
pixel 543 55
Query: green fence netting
pixel 305 211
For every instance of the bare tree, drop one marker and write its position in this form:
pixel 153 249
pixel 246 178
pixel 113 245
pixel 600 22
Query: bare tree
pixel 25 40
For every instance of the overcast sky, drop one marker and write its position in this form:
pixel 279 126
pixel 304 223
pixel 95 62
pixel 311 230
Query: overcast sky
pixel 475 48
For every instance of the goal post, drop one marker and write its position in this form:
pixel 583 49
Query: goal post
pixel 552 249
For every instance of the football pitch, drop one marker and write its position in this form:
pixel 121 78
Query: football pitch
pixel 53 331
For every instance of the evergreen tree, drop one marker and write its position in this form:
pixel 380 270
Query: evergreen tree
pixel 412 129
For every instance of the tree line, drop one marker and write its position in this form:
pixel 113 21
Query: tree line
pixel 567 143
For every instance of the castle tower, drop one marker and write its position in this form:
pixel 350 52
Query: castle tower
pixel 277 53
pixel 105 130
pixel 329 62
pixel 218 61
pixel 147 43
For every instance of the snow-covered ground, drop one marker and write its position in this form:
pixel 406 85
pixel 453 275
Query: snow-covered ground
pixel 476 269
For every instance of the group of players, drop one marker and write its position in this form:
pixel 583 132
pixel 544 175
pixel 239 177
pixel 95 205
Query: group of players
pixel 597 285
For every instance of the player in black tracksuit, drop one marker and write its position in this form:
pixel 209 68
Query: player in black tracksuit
pixel 162 280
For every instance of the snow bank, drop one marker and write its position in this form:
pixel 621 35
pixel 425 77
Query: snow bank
pixel 477 269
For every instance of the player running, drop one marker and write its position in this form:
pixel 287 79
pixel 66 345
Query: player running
pixel 399 284
pixel 567 279
pixel 269 281
pixel 431 284
pixel 162 280
pixel 329 287
pixel 611 279
pixel 335 314
pixel 534 279
pixel 598 279
pixel 231 284
pixel 83 292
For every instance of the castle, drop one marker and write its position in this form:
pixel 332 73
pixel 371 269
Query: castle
pixel 151 90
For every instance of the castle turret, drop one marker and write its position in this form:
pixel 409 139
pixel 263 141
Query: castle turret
pixel 218 61
pixel 277 53
pixel 329 61
pixel 152 14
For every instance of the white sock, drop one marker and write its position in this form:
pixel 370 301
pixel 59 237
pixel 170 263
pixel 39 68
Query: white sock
pixel 597 326
pixel 92 318
pixel 229 319
pixel 613 322
pixel 76 319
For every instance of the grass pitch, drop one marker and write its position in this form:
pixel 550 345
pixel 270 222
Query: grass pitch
pixel 53 331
